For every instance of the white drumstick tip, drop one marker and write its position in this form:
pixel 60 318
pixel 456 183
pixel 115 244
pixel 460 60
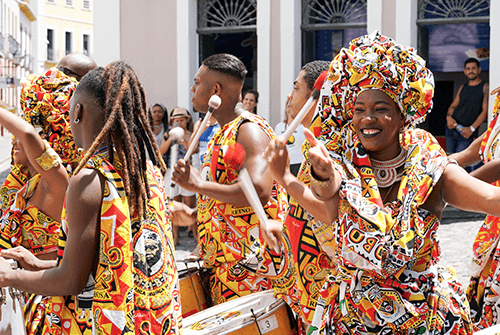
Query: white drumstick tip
pixel 176 133
pixel 214 101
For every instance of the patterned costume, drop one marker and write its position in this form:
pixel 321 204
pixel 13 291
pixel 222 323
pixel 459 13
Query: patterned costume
pixel 483 292
pixel 229 235
pixel 135 289
pixel 45 104
pixel 383 276
pixel 18 176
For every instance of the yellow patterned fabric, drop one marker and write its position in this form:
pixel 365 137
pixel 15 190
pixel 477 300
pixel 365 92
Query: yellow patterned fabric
pixel 23 224
pixel 230 240
pixel 135 290
pixel 45 104
pixel 387 278
pixel 17 177
pixel 483 292
pixel 377 263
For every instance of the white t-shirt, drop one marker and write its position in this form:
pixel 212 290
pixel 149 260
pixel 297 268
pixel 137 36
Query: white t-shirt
pixel 294 145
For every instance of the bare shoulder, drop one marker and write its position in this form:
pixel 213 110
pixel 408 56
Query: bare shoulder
pixel 86 188
pixel 252 137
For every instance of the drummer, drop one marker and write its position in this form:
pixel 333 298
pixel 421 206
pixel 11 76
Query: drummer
pixel 380 228
pixel 229 237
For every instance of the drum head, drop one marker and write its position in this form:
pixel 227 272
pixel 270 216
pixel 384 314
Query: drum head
pixel 232 315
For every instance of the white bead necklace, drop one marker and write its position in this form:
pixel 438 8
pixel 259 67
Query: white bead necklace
pixel 385 172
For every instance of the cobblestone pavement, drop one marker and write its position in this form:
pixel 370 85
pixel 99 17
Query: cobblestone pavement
pixel 456 245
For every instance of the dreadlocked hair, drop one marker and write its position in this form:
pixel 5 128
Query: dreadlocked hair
pixel 121 96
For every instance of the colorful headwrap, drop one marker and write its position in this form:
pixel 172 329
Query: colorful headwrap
pixel 45 105
pixel 377 62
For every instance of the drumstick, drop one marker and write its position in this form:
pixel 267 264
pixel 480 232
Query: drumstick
pixel 176 133
pixel 213 103
pixel 300 116
pixel 234 157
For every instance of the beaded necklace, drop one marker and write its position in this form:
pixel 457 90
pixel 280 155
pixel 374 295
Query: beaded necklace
pixel 385 172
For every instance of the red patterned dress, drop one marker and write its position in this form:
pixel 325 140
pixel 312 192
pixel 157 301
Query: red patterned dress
pixel 387 278
pixel 229 235
pixel 483 292
pixel 135 289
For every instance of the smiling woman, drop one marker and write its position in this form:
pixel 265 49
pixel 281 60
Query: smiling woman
pixel 378 189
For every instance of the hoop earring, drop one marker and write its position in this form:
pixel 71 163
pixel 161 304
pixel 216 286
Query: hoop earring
pixel 77 121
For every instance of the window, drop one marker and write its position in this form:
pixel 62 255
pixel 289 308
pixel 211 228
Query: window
pixel 50 44
pixel 68 3
pixel 52 1
pixel 69 40
pixel 86 45
pixel 86 4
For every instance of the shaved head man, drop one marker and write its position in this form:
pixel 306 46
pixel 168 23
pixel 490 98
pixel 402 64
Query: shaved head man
pixel 76 65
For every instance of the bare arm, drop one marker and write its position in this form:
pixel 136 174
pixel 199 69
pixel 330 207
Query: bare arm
pixel 450 121
pixel 254 141
pixel 468 193
pixel 55 178
pixel 489 172
pixel 470 155
pixel 83 209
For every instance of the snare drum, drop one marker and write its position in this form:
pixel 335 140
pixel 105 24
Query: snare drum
pixel 493 330
pixel 257 313
pixel 194 297
pixel 11 312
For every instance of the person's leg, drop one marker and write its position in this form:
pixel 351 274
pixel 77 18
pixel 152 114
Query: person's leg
pixel 175 228
pixel 191 202
pixel 462 144
pixel 450 141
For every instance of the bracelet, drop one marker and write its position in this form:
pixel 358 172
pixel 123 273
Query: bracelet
pixel 321 198
pixel 49 158
pixel 449 115
pixel 320 183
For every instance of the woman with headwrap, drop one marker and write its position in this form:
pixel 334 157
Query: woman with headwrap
pixel 378 189
pixel 43 146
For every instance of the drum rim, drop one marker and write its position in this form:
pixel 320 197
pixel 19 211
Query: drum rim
pixel 245 322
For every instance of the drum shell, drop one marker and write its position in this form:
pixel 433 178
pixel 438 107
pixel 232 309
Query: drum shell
pixel 193 298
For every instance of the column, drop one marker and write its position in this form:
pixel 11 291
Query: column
pixel 406 23
pixel 264 57
pixel 290 13
pixel 187 50
pixel 494 79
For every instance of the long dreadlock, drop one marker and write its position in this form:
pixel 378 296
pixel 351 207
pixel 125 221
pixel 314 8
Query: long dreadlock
pixel 121 96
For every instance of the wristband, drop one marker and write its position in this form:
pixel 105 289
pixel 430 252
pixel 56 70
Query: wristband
pixel 472 128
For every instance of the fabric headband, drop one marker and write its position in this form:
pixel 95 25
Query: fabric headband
pixel 45 103
pixel 377 62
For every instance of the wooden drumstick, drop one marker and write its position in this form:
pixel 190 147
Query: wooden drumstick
pixel 213 103
pixel 176 134
pixel 300 116
pixel 235 157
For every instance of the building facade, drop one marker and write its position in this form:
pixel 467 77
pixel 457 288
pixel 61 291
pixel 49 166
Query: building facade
pixel 166 40
pixel 63 27
pixel 16 54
